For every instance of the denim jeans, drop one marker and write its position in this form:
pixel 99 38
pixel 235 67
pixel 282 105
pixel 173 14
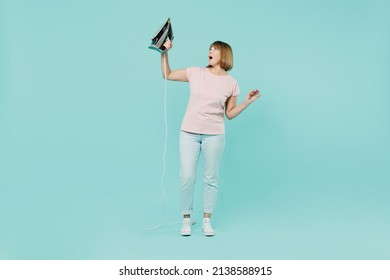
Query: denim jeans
pixel 191 146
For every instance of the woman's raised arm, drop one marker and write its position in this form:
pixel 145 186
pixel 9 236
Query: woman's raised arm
pixel 173 75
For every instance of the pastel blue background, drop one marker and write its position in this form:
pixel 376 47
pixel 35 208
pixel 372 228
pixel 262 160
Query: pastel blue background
pixel 305 173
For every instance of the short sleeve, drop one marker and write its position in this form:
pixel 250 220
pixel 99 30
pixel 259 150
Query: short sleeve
pixel 191 71
pixel 236 89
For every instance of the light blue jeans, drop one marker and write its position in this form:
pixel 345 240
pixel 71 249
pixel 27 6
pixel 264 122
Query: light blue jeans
pixel 211 147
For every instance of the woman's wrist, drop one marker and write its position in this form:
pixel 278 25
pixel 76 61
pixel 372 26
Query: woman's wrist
pixel 245 103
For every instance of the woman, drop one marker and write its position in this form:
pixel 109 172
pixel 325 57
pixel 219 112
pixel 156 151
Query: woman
pixel 213 92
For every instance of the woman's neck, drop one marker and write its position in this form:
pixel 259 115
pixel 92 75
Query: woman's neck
pixel 217 70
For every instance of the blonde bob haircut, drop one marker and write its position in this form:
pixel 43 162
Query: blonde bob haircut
pixel 226 54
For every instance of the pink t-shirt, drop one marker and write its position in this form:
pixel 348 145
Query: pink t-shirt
pixel 209 92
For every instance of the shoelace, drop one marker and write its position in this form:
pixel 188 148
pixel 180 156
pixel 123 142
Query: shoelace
pixel 207 226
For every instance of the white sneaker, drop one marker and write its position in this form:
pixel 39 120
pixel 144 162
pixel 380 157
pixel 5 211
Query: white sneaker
pixel 186 227
pixel 207 229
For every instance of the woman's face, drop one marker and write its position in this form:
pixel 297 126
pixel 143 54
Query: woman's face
pixel 214 56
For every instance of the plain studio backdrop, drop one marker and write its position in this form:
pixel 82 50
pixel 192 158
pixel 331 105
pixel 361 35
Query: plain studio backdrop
pixel 305 173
